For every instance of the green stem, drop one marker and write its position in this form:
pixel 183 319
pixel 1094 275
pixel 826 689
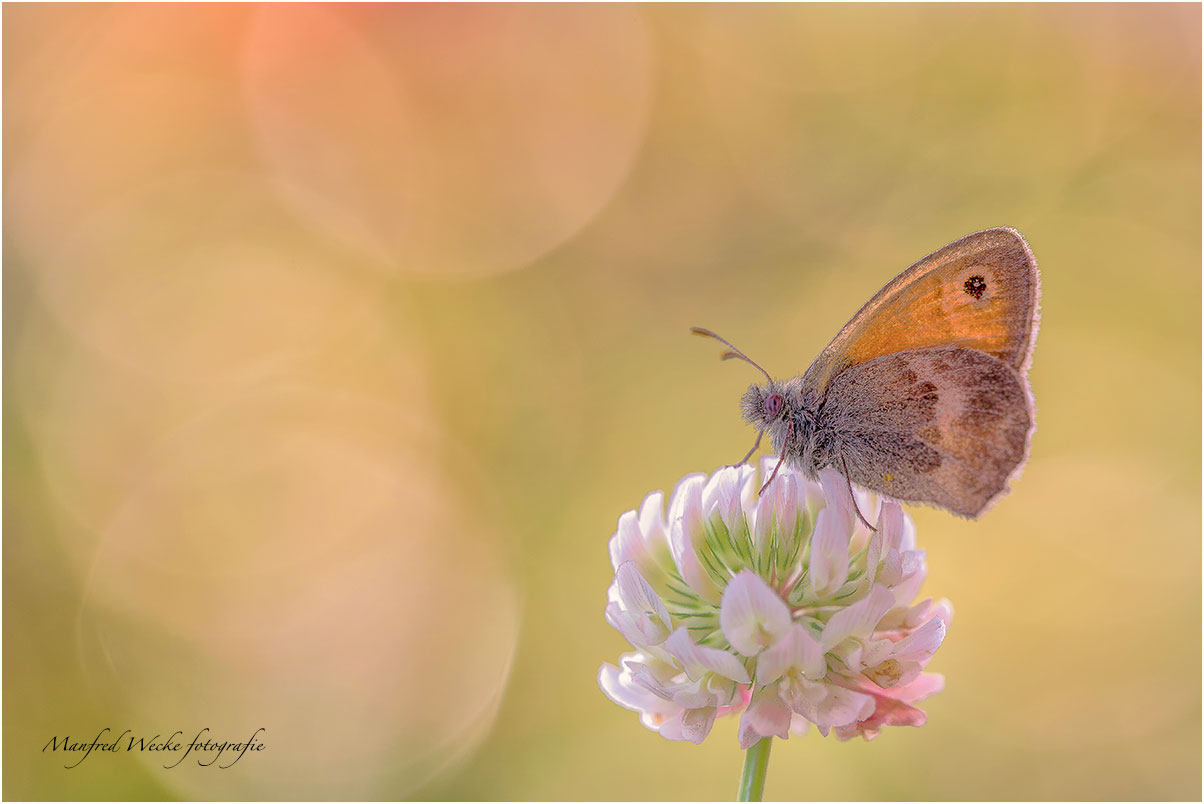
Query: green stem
pixel 756 763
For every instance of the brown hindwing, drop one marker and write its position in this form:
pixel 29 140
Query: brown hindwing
pixel 946 426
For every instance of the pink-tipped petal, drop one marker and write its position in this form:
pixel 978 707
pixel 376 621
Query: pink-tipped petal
pixel 813 494
pixel 722 493
pixel 870 505
pixel 890 524
pixel 827 705
pixel 698 660
pixel 620 620
pixel 671 728
pixel 912 618
pixel 908 542
pixel 687 536
pixel 858 620
pixel 797 650
pixel 641 602
pixel 891 570
pixel 619 687
pixel 789 505
pixel 696 723
pixel 662 671
pixel 777 511
pixel 836 495
pixel 764 517
pixel 829 552
pixel 802 696
pixel 724 692
pixel 914 571
pixel 628 542
pixel 681 494
pixel 750 484
pixel 873 555
pixel 841 706
pixel 923 686
pixel 943 610
pixel 751 614
pixel 656 563
pixel 637 594
pixel 693 695
pixel 887 712
pixel 766 716
pixel 921 643
pixel 652 515
pixel 644 679
pixel 874 651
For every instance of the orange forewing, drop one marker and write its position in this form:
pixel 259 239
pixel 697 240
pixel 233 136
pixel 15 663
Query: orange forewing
pixel 979 292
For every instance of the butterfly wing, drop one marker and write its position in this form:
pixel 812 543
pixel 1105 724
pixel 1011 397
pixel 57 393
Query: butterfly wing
pixel 979 292
pixel 946 426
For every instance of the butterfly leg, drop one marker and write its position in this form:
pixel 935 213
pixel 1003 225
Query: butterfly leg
pixel 781 458
pixel 849 481
pixel 756 444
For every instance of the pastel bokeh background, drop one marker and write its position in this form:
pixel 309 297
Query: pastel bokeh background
pixel 336 339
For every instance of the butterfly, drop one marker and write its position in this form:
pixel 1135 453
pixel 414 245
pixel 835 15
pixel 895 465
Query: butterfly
pixel 923 395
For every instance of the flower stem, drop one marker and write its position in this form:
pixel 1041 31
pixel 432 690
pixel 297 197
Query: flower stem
pixel 756 763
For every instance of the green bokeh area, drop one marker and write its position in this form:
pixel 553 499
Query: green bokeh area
pixel 758 170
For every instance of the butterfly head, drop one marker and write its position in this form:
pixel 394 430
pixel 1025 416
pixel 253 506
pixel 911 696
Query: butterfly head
pixel 763 405
pixel 780 409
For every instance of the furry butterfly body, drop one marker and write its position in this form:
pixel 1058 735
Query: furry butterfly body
pixel 923 395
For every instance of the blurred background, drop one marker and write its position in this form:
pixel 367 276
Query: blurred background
pixel 336 339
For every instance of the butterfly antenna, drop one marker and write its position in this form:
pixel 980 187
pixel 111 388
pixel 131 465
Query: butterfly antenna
pixel 734 353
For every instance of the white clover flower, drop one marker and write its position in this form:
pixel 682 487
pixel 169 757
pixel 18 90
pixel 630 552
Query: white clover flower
pixel 782 606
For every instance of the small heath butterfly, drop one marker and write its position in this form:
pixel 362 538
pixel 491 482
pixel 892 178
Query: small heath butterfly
pixel 923 395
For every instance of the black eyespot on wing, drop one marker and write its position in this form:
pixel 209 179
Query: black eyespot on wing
pixel 976 286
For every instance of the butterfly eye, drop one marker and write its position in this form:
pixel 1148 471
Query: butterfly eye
pixel 773 405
